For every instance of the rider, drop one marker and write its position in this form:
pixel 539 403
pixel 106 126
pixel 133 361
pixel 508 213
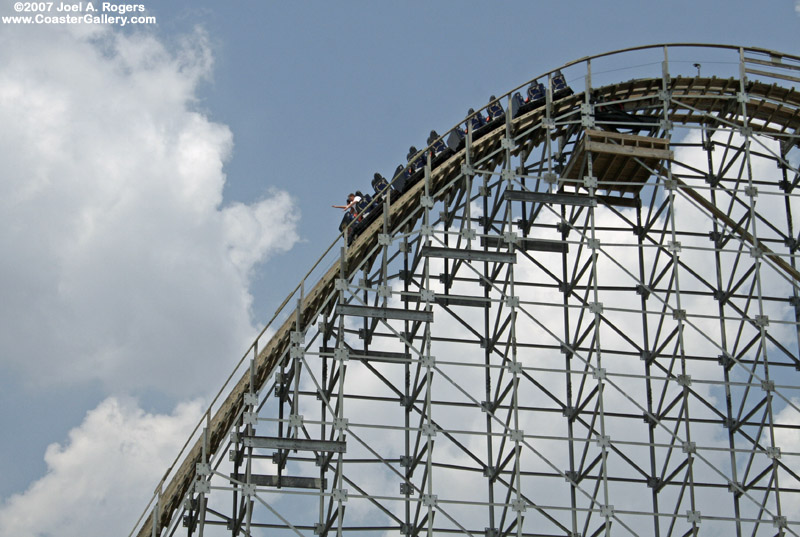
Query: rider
pixel 352 202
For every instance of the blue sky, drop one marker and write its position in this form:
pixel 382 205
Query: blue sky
pixel 381 75
pixel 165 186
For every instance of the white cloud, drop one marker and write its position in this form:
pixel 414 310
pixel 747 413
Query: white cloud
pixel 97 482
pixel 245 227
pixel 120 263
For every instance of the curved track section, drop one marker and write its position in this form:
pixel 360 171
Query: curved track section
pixel 582 322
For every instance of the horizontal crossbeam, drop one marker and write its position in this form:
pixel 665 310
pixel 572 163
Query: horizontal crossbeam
pixel 283 481
pixel 544 197
pixel 539 245
pixel 454 300
pixel 468 255
pixel 295 444
pixel 384 313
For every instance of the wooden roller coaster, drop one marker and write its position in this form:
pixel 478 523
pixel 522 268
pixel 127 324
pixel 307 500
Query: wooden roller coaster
pixel 621 163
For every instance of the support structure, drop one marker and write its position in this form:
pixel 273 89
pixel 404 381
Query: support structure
pixel 584 322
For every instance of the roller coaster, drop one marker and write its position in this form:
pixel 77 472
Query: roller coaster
pixel 572 316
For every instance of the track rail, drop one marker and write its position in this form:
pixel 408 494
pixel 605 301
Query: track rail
pixel 772 110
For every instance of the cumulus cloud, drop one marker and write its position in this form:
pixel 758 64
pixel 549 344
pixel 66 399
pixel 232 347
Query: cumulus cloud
pixel 98 481
pixel 120 259
pixel 121 263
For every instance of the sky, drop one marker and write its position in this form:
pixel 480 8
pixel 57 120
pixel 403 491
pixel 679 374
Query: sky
pixel 164 186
